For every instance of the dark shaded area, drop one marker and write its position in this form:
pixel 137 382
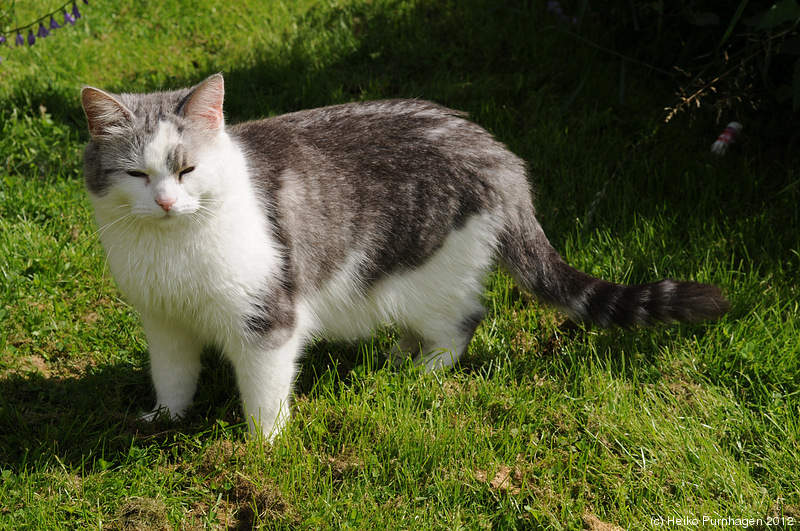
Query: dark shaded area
pixel 93 416
pixel 747 51
pixel 77 418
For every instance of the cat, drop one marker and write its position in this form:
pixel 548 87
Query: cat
pixel 260 236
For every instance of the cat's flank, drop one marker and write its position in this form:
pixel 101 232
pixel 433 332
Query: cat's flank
pixel 260 236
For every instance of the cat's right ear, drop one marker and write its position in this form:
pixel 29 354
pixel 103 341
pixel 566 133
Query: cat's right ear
pixel 104 113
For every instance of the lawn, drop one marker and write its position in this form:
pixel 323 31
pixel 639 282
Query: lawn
pixel 545 424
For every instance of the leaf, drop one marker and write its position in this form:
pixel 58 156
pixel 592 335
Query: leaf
pixel 733 23
pixel 780 13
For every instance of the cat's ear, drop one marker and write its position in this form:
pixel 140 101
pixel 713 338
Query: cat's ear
pixel 104 113
pixel 204 106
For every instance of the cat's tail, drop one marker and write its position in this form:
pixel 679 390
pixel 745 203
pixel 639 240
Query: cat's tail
pixel 538 268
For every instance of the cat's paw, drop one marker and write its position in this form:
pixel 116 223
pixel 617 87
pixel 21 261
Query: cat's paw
pixel 396 358
pixel 157 414
pixel 402 351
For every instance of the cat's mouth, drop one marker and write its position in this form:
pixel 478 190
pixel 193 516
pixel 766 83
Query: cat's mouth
pixel 166 217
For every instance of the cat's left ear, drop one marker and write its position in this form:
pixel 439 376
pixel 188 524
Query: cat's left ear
pixel 204 106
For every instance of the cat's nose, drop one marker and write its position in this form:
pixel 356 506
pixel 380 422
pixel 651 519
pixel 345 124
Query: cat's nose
pixel 166 202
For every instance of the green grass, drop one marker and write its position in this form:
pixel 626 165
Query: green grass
pixel 545 425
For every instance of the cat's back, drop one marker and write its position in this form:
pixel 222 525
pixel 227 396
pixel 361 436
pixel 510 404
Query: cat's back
pixel 383 134
pixel 395 117
pixel 387 180
pixel 394 151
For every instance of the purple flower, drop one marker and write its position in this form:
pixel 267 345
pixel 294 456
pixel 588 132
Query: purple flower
pixel 69 18
pixel 42 32
pixel 53 24
pixel 20 40
pixel 2 39
pixel 86 2
pixel 75 12
pixel 555 7
pixel 31 38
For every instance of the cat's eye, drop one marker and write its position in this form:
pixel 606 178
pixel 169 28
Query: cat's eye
pixel 184 171
pixel 136 173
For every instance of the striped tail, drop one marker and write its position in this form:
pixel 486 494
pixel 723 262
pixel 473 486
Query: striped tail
pixel 539 269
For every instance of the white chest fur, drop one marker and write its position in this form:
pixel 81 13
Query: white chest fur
pixel 204 269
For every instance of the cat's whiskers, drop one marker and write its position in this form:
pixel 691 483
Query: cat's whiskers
pixel 128 219
pixel 101 230
pixel 203 215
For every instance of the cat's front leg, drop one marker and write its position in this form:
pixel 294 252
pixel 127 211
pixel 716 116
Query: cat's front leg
pixel 174 366
pixel 265 375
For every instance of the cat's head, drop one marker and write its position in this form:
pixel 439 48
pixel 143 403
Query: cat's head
pixel 154 155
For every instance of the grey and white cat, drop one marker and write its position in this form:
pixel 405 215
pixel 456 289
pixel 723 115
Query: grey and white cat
pixel 260 236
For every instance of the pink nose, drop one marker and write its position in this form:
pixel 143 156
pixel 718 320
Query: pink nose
pixel 166 203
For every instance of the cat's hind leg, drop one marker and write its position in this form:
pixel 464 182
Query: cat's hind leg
pixel 445 343
pixel 439 302
pixel 174 366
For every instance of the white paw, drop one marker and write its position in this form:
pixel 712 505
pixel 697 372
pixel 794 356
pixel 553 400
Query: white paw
pixel 403 350
pixel 159 413
pixel 396 358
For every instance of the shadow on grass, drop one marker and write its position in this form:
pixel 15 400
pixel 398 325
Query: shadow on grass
pixel 75 418
pixel 83 419
pixel 452 53
pixel 93 416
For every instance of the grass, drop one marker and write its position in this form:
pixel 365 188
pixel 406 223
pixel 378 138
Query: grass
pixel 545 425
